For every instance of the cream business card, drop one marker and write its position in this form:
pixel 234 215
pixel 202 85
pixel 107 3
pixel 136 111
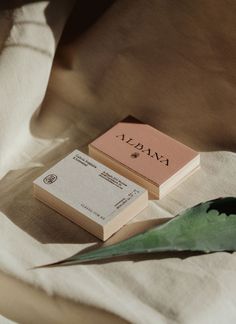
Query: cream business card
pixel 90 194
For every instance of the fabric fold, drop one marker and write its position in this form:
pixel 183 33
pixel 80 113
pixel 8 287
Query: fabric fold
pixel 25 65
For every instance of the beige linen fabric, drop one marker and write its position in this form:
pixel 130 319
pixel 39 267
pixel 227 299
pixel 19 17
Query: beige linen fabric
pixel 170 65
pixel 4 320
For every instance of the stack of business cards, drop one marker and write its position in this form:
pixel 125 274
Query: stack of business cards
pixel 90 194
pixel 145 155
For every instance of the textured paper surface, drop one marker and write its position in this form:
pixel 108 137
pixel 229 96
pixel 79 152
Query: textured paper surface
pixel 89 187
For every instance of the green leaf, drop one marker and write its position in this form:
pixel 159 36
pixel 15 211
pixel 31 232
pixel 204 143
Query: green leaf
pixel 206 227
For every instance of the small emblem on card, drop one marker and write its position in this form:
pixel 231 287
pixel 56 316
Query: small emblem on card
pixel 135 155
pixel 49 179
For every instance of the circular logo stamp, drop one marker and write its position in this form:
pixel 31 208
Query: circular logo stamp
pixel 135 155
pixel 50 178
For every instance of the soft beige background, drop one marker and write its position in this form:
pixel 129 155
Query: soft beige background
pixel 170 64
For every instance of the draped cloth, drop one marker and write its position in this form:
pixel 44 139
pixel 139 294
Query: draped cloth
pixel 68 72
